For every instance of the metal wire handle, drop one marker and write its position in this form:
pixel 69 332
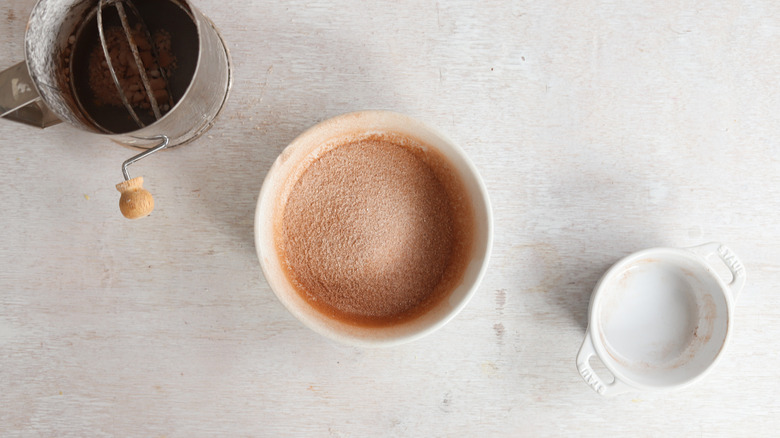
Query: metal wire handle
pixel 144 154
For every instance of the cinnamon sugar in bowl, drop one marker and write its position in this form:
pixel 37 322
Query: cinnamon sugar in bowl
pixel 372 229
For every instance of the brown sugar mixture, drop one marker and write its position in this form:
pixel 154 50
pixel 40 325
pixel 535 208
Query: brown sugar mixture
pixel 102 84
pixel 376 233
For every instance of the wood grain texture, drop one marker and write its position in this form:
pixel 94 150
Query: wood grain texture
pixel 600 128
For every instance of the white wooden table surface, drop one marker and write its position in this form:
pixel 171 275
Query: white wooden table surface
pixel 600 128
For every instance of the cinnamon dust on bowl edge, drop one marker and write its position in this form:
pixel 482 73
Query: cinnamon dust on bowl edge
pixel 376 231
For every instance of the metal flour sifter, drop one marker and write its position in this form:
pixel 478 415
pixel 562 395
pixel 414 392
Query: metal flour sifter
pixel 150 74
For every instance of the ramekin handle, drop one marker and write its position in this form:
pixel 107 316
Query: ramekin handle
pixel 729 259
pixel 587 351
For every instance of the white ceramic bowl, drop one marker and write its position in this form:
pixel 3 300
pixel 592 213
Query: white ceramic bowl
pixel 287 169
pixel 660 319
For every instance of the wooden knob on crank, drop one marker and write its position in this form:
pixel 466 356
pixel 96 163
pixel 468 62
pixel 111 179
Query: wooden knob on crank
pixel 135 202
